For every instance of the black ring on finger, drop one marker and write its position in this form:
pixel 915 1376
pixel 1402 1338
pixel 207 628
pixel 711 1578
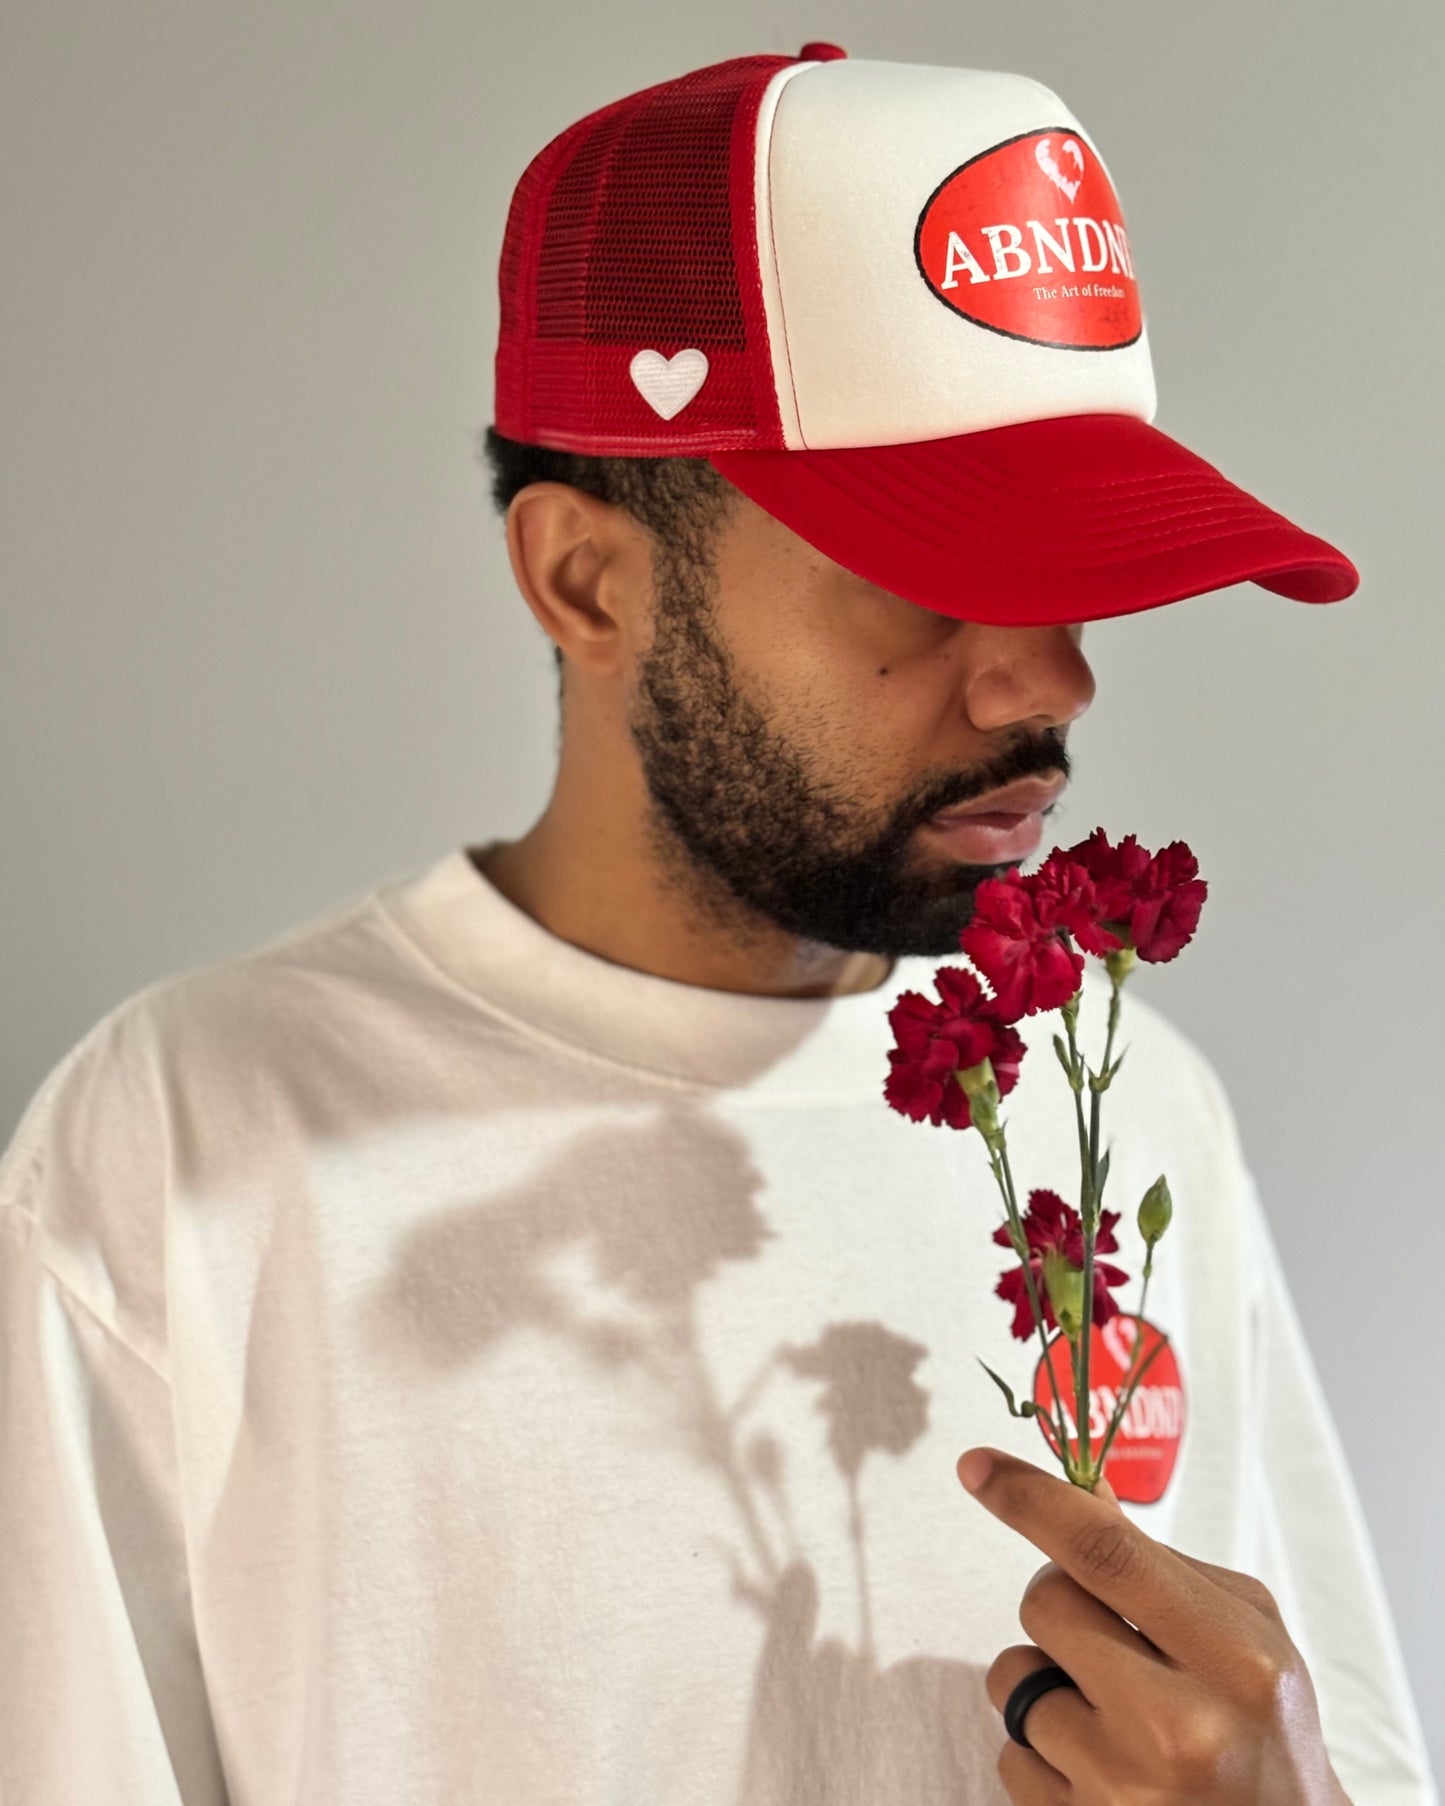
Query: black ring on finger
pixel 1037 1681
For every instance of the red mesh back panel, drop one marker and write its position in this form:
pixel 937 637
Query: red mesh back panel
pixel 635 229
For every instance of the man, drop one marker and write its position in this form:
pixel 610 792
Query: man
pixel 493 1341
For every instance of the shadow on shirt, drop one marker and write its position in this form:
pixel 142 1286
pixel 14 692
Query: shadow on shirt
pixel 662 1210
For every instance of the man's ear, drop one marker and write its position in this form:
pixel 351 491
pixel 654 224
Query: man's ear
pixel 578 562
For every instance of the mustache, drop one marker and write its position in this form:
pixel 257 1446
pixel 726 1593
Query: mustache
pixel 1039 756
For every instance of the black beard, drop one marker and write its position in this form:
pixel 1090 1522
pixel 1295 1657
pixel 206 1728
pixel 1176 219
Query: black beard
pixel 736 819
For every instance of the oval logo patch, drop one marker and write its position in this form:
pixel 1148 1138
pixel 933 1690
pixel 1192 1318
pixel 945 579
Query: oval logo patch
pixel 1146 1445
pixel 1028 240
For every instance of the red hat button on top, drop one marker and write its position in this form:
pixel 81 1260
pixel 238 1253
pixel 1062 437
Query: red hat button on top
pixel 820 53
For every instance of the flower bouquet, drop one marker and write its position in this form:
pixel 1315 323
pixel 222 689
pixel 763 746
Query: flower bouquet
pixel 953 1060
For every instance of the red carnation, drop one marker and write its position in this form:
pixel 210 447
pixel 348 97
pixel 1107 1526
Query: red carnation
pixel 1013 938
pixel 1165 921
pixel 1062 890
pixel 935 1040
pixel 1052 1226
pixel 1150 901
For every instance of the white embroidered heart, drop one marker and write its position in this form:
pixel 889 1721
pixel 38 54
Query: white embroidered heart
pixel 667 385
pixel 1051 169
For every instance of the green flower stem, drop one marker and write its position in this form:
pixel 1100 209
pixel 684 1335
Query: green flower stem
pixel 1094 1195
pixel 998 1160
pixel 1070 1013
pixel 1093 1206
pixel 1164 1343
pixel 1131 1379
pixel 1081 1384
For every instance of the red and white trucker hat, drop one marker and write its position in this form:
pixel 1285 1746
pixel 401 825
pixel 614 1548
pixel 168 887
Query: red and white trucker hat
pixel 896 305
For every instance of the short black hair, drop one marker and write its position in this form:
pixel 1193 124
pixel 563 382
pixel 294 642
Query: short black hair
pixel 681 501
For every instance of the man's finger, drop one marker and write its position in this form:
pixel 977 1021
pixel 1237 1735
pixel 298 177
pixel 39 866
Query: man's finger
pixel 1243 1586
pixel 1180 1609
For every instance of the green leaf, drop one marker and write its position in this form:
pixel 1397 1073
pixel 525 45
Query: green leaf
pixel 1029 1407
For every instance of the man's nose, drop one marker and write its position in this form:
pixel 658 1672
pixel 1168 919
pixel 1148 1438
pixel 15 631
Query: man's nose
pixel 1026 674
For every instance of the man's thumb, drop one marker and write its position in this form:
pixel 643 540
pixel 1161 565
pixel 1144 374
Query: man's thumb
pixel 1103 1490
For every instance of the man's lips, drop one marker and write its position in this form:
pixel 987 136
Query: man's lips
pixel 1029 796
pixel 1002 827
pixel 990 839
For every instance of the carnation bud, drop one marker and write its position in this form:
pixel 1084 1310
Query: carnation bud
pixel 978 1081
pixel 981 1089
pixel 1121 962
pixel 1064 1284
pixel 1155 1211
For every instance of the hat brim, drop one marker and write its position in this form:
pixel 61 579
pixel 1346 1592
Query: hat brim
pixel 1050 521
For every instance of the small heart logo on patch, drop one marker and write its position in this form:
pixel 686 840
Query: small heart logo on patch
pixel 1046 163
pixel 667 385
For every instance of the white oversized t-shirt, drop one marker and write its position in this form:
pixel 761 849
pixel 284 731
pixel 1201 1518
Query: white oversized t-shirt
pixel 440 1365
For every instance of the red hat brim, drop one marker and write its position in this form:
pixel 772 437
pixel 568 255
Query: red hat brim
pixel 1050 521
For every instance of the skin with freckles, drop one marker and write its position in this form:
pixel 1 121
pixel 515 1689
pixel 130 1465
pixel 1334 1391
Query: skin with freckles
pixel 751 745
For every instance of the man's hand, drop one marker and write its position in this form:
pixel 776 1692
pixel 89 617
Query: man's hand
pixel 1189 1687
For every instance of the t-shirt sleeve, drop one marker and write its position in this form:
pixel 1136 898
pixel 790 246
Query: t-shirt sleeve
pixel 102 1695
pixel 1315 1554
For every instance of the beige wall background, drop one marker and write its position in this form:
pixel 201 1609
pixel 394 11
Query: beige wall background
pixel 260 645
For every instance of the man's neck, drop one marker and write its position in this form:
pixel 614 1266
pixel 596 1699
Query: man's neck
pixel 619 908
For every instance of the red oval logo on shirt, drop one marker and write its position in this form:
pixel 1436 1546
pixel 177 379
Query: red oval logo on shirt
pixel 1028 239
pixel 1146 1445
